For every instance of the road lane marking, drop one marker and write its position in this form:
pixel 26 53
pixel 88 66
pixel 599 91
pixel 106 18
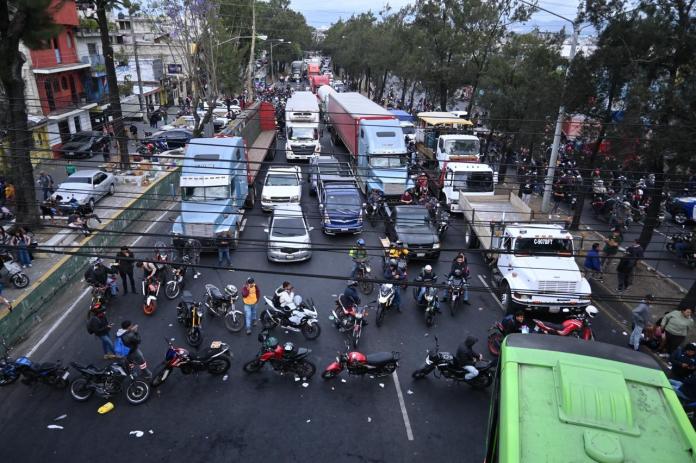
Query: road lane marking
pixel 402 404
pixel 57 323
pixel 490 291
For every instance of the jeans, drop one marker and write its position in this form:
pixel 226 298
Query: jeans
pixel 129 275
pixel 397 295
pixel 355 269
pixel 526 197
pixel 249 314
pixel 107 344
pixel 136 357
pixel 46 193
pixel 224 253
pixel 23 255
pixel 624 280
pixel 680 248
pixel 472 372
pixel 635 337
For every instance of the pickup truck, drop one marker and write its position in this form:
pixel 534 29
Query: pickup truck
pixel 414 226
pixel 283 185
pixel 340 205
pixel 534 265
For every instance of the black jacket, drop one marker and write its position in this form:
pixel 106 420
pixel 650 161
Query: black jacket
pixel 465 352
pixel 97 275
pixel 131 339
pixel 125 263
pixel 98 326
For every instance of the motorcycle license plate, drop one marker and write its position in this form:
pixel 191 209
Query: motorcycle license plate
pixel 215 344
pixel 66 374
pixel 420 254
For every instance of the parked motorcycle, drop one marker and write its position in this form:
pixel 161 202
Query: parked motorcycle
pixel 496 334
pixel 8 373
pixel 108 382
pixel 302 318
pixel 385 301
pixel 686 241
pixel 363 277
pixel 13 271
pixel 430 302
pixel 449 368
pixel 151 288
pixel 190 314
pixel 52 374
pixel 283 358
pixel 175 284
pixel 577 325
pixel 224 305
pixel 377 364
pixel 349 319
pixel 216 360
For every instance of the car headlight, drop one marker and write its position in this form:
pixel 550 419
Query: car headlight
pixel 327 220
pixel 295 198
pixel 436 246
pixel 265 198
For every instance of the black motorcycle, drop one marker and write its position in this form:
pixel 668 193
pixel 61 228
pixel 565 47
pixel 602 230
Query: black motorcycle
pixel 456 286
pixel 52 374
pixel 284 358
pixel 442 219
pixel 221 304
pixel 190 314
pixel 375 211
pixel 363 277
pixel 430 301
pixel 216 360
pixel 108 382
pixel 349 319
pixel 448 367
pixel 686 241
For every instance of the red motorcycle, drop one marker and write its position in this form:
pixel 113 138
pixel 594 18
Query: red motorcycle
pixel 578 325
pixel 151 288
pixel 377 364
pixel 284 358
pixel 349 319
pixel 216 360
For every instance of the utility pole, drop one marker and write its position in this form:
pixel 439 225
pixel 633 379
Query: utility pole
pixel 137 66
pixel 250 73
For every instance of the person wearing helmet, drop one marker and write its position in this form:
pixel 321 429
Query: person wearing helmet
pixel 457 277
pixel 467 357
pixel 393 273
pixel 97 274
pixel 359 255
pixel 684 361
pixel 641 317
pixel 251 295
pixel 350 297
pixel 427 275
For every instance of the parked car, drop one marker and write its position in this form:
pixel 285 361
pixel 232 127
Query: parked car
pixel 282 185
pixel 84 144
pixel 288 235
pixel 177 138
pixel 85 187
pixel 413 225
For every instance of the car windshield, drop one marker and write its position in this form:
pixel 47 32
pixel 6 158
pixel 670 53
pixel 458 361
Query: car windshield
pixel 282 180
pixel 76 179
pixel 540 246
pixel 205 193
pixel 302 133
pixel 387 161
pixel 473 181
pixel 462 147
pixel 343 200
pixel 409 130
pixel 81 138
pixel 412 218
pixel 288 226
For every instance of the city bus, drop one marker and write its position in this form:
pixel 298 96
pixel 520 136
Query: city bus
pixel 560 399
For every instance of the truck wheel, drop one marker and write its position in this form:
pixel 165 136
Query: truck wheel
pixel 250 201
pixel 506 298
pixel 235 240
pixel 467 237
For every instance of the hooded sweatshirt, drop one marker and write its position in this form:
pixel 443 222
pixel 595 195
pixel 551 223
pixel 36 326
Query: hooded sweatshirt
pixel 465 352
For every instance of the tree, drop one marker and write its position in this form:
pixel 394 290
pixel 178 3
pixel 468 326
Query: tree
pixel 30 23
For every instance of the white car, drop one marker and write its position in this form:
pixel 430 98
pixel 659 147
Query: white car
pixel 85 187
pixel 283 185
pixel 288 235
pixel 220 108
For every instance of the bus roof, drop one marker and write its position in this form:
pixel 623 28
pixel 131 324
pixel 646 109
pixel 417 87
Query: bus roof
pixel 564 399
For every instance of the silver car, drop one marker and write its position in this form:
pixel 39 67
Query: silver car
pixel 288 235
pixel 85 188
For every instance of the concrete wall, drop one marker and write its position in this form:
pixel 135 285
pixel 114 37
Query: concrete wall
pixel 36 304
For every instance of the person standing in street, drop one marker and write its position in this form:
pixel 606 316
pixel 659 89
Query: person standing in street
pixel 611 247
pixel 526 191
pixel 99 326
pixel 70 168
pixel 624 272
pixel 223 242
pixel 250 297
pixel 641 317
pixel 106 152
pixel 45 181
pixel 125 260
pixel 676 325
pixel 593 265
pixel 131 339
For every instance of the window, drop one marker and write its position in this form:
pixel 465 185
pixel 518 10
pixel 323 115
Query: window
pixel 124 25
pixel 56 85
pixel 64 82
pixel 100 177
pixel 78 124
pixel 92 49
pixel 119 39
pixel 386 134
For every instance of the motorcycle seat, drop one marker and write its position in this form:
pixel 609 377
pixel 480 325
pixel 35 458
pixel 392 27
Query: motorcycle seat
pixel 88 369
pixel 298 352
pixel 41 367
pixel 216 294
pixel 187 297
pixel 554 326
pixel 380 358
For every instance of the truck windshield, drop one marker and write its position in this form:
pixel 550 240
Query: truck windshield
pixel 473 181
pixel 408 130
pixel 343 200
pixel 387 161
pixel 282 180
pixel 290 226
pixel 205 193
pixel 541 246
pixel 462 147
pixel 301 133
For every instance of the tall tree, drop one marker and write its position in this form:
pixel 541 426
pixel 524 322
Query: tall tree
pixel 29 22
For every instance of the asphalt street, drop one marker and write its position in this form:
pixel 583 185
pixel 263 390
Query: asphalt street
pixel 266 416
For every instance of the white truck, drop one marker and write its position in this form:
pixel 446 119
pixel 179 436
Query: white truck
pixel 302 127
pixel 533 264
pixel 283 185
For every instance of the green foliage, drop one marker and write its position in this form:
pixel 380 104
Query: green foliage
pixel 88 24
pixel 39 21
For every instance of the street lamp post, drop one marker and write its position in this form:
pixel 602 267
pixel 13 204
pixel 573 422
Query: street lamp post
pixel 279 42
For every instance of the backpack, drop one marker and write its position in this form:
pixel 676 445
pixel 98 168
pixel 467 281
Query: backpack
pixel 89 326
pixel 120 349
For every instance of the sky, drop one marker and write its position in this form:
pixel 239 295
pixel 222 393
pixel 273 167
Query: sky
pixel 323 14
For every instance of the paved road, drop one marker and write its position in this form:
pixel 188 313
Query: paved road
pixel 267 417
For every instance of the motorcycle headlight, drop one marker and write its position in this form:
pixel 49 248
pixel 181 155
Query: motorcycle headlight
pixel 358 315
pixel 428 297
pixel 367 269
pixel 199 311
pixel 436 246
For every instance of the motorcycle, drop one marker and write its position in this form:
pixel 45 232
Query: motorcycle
pixel 13 271
pixel 53 374
pixel 216 360
pixel 173 287
pixel 303 317
pixel 448 367
pixel 223 305
pixel 108 382
pixel 430 301
pixel 190 315
pixel 385 301
pixel 688 255
pixel 455 291
pixel 375 211
pixel 362 276
pixel 442 219
pixel 578 326
pixel 496 334
pixel 689 403
pixel 151 288
pixel 349 318
pixel 282 358
pixel 377 364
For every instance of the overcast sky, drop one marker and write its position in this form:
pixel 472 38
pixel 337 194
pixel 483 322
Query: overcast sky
pixel 323 13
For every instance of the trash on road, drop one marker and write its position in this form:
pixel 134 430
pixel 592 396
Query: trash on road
pixel 61 417
pixel 136 433
pixel 369 420
pixel 106 408
pixel 54 426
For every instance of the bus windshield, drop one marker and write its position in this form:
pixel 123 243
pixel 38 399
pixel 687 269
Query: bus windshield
pixel 387 161
pixel 541 246
pixel 205 193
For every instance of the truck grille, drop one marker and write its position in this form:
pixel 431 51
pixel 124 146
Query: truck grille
pixel 199 229
pixel 553 286
pixel 393 189
pixel 289 250
pixel 279 199
pixel 415 248
pixel 303 150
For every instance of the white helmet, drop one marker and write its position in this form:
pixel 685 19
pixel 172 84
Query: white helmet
pixel 591 311
pixel 428 268
pixel 95 261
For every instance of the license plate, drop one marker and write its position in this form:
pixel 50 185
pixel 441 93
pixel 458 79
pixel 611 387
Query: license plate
pixel 288 257
pixel 420 254
pixel 344 229
pixel 66 374
pixel 215 344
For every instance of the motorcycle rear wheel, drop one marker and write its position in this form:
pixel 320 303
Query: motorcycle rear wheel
pixel 366 287
pixel 233 322
pixel 219 365
pixel 306 369
pixel 194 337
pixel 20 280
pixel 380 316
pixel 137 392
pixel 311 331
pixel 172 290
pixel 252 366
pixel 6 379
pixel 149 309
pixel 482 381
pixel 79 390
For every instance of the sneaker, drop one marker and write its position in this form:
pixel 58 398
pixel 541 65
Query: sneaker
pixel 29 265
pixel 195 276
pixel 24 266
pixel 248 332
pixel 253 323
